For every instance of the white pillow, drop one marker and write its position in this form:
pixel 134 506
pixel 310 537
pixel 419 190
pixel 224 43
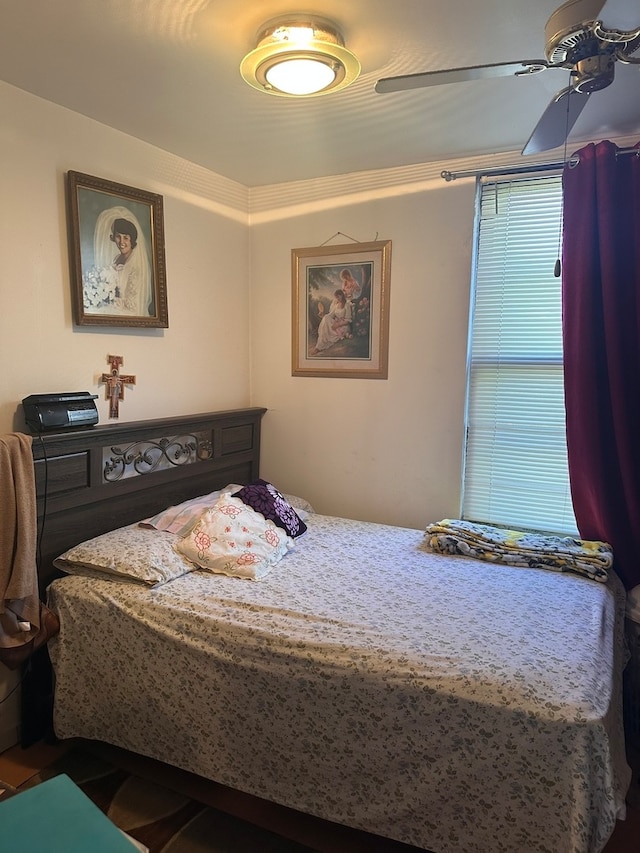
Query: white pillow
pixel 231 538
pixel 179 519
pixel 301 506
pixel 127 553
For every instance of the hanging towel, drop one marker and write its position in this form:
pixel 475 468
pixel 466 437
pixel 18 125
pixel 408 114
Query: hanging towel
pixel 19 600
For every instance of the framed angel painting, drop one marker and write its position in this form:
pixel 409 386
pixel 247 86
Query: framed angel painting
pixel 341 310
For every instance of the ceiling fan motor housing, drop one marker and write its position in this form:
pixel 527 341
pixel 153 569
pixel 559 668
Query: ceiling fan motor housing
pixel 594 73
pixel 573 42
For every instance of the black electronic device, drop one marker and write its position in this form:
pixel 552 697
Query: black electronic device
pixel 51 412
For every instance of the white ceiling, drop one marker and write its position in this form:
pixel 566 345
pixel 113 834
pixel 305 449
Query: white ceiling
pixel 166 71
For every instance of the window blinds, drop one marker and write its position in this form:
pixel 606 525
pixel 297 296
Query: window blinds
pixel 515 470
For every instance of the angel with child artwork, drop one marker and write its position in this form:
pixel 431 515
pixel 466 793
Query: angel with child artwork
pixel 339 316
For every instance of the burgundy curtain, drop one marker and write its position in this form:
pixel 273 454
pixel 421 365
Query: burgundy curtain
pixel 601 331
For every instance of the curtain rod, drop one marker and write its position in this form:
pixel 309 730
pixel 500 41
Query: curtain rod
pixel 520 170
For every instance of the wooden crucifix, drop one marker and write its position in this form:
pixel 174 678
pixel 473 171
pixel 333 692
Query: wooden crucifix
pixel 115 384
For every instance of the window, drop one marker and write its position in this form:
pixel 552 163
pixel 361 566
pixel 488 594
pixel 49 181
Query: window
pixel 515 467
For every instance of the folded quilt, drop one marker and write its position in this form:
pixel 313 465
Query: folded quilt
pixel 517 548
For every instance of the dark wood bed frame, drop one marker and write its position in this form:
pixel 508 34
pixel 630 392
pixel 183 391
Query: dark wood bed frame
pixel 90 481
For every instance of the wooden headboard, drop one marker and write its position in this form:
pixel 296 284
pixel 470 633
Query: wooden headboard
pixel 93 480
pixel 89 481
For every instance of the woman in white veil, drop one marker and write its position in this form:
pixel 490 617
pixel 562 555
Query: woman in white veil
pixel 121 247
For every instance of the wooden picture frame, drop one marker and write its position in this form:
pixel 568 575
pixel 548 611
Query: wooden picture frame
pixel 116 247
pixel 341 336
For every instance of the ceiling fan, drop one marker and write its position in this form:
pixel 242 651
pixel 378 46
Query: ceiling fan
pixel 585 37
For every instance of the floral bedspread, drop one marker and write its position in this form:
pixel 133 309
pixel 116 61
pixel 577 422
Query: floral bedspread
pixel 449 703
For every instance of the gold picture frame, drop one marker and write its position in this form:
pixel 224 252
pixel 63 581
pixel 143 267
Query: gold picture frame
pixel 116 248
pixel 341 310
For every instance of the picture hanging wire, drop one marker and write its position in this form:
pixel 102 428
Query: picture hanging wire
pixel 342 234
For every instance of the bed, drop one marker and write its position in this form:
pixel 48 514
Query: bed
pixel 444 702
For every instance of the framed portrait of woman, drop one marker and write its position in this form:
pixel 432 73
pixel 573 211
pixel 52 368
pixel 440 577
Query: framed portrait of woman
pixel 116 243
pixel 341 310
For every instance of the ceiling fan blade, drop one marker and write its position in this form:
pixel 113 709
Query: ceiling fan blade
pixel 556 121
pixel 459 75
pixel 623 15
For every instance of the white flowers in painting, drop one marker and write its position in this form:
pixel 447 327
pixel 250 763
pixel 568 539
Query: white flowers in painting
pixel 100 287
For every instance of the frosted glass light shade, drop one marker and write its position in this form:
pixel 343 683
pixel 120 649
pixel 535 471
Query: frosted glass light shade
pixel 299 58
pixel 300 76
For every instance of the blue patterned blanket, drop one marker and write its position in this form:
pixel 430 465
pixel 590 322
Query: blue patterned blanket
pixel 517 548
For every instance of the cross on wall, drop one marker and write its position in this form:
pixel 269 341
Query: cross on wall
pixel 115 382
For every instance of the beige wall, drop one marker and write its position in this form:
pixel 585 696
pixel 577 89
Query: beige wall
pixel 201 361
pixel 387 451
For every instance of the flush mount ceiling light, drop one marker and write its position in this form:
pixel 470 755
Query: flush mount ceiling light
pixel 299 57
